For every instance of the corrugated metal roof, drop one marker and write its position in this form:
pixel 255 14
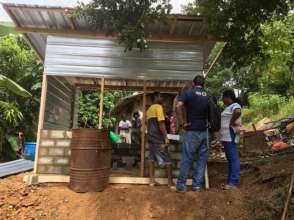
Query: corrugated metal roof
pixel 106 58
pixel 57 18
pixel 15 167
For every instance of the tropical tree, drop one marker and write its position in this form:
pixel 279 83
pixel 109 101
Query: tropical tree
pixel 126 19
pixel 10 115
pixel 19 64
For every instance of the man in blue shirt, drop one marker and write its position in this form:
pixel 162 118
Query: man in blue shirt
pixel 194 121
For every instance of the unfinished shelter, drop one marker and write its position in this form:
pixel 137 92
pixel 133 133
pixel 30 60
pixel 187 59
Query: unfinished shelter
pixel 76 57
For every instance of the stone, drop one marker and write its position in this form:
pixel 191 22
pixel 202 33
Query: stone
pixel 46 160
pixel 54 170
pixel 61 161
pixel 63 143
pixel 43 151
pixel 57 134
pixel 56 151
pixel 47 143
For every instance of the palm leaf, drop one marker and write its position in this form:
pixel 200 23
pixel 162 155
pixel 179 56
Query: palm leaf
pixel 10 113
pixel 6 83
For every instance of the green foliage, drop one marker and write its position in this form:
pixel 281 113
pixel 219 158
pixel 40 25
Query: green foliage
pixel 277 45
pixel 89 110
pixel 272 106
pixel 238 22
pixel 6 28
pixel 6 83
pixel 258 56
pixel 19 108
pixel 10 113
pixel 128 19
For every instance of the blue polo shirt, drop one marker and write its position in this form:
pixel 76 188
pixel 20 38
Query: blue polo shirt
pixel 196 103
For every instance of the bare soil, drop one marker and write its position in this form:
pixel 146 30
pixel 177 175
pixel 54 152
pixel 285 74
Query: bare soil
pixel 261 196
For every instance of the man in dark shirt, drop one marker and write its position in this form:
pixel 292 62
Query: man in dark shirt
pixel 195 101
pixel 157 139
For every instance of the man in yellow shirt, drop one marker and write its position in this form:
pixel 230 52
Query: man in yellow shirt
pixel 157 139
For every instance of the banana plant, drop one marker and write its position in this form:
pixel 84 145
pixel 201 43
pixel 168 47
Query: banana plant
pixel 9 111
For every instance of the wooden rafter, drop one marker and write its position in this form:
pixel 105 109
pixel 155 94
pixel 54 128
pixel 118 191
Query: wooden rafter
pixel 27 39
pixel 100 35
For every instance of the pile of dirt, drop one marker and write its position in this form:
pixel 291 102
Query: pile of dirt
pixel 261 196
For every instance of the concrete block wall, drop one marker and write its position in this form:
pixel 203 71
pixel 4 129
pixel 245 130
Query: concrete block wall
pixel 54 152
pixel 175 150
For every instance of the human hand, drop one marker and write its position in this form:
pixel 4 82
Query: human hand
pixel 166 141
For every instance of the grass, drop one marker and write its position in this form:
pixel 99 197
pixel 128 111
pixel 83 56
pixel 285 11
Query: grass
pixel 7 28
pixel 275 110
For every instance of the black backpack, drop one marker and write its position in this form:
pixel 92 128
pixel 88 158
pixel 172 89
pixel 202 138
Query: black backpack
pixel 214 115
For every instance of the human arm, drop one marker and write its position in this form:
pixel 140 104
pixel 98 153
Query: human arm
pixel 161 121
pixel 236 114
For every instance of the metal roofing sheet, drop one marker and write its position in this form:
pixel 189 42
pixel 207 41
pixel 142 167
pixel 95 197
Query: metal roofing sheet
pixel 16 166
pixel 57 18
pixel 106 58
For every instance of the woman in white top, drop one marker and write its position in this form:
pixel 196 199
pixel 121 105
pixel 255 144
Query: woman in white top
pixel 230 135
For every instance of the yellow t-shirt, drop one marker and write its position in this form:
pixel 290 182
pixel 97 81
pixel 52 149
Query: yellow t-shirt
pixel 155 114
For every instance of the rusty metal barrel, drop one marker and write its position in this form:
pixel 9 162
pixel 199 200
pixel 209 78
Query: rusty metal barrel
pixel 90 160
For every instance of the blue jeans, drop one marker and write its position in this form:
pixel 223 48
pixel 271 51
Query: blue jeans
pixel 234 162
pixel 194 144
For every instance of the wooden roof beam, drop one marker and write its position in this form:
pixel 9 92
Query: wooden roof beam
pixel 100 35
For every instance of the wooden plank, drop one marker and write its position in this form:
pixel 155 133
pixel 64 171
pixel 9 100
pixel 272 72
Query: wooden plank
pixel 287 203
pixel 36 179
pixel 206 178
pixel 131 88
pixel 101 103
pixel 214 61
pixel 143 130
pixel 100 35
pixel 41 120
pixel 141 180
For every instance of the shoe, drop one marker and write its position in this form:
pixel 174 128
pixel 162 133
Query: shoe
pixel 196 189
pixel 229 187
pixel 182 190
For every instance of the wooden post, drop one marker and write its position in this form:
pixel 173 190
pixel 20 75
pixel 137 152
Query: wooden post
pixel 41 120
pixel 206 178
pixel 101 103
pixel 143 130
pixel 287 203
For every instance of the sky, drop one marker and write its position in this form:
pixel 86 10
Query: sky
pixel 4 17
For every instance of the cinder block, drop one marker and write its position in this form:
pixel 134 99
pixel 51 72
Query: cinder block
pixel 44 133
pixel 43 151
pixel 54 170
pixel 46 160
pixel 68 134
pixel 57 134
pixel 172 148
pixel 67 152
pixel 160 173
pixel 47 143
pixel 56 151
pixel 61 161
pixel 63 143
pixel 176 156
pixel 42 169
pixel 65 170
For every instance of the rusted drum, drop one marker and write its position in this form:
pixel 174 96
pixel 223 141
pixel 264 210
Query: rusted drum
pixel 90 160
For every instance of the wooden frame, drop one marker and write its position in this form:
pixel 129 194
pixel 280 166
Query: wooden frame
pixel 142 168
pixel 100 35
pixel 41 120
pixel 101 103
pixel 36 179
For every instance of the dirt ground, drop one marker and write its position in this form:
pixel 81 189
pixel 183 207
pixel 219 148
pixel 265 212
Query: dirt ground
pixel 261 196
